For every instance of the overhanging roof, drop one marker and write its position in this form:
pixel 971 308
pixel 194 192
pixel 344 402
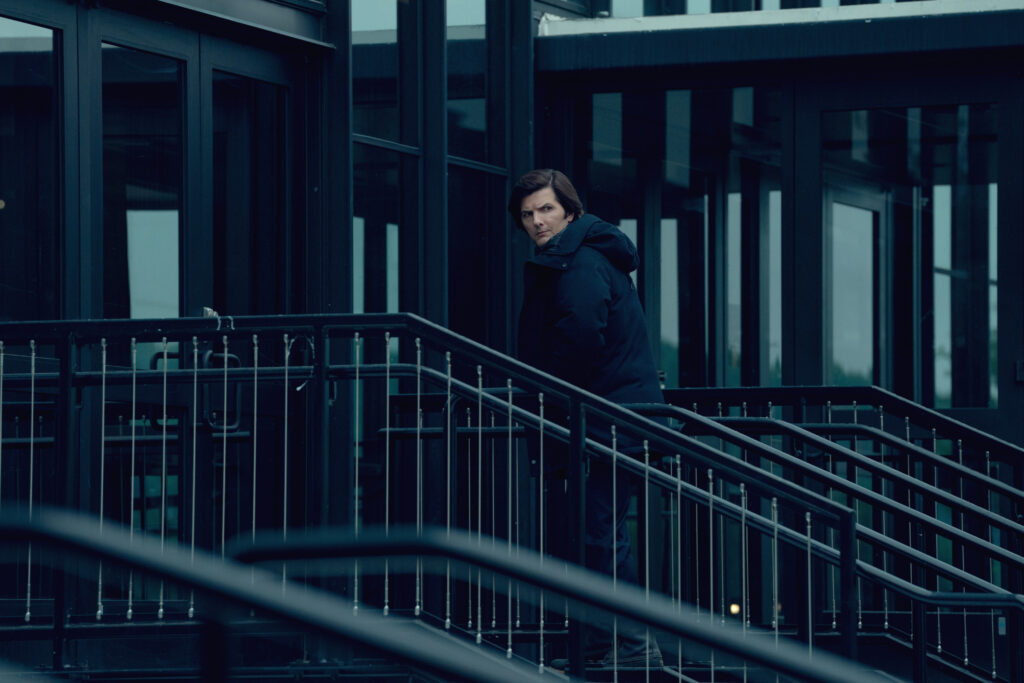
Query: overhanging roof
pixel 793 34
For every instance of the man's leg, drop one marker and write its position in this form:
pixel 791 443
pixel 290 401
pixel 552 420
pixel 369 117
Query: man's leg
pixel 606 520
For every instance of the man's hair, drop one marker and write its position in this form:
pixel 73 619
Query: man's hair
pixel 538 179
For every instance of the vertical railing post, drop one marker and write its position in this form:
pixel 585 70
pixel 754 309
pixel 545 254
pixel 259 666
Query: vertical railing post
pixel 848 583
pixel 1015 617
pixel 64 432
pixel 577 518
pixel 919 621
pixel 321 428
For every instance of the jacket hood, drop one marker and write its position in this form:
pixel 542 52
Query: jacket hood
pixel 597 234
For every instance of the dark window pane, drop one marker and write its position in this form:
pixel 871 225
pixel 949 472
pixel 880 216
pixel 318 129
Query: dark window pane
pixel 479 230
pixel 375 68
pixel 29 283
pixel 376 229
pixel 909 186
pixel 250 245
pixel 713 219
pixel 142 176
pixel 467 79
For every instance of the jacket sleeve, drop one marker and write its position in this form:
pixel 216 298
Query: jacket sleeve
pixel 582 302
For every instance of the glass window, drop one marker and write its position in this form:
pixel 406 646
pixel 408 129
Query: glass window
pixel 250 225
pixel 142 178
pixel 376 229
pixel 468 85
pixel 477 254
pixel 375 68
pixel 29 258
pixel 851 253
pixel 656 170
pixel 919 285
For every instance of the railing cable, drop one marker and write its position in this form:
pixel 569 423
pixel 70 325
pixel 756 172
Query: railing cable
pixel 131 488
pixel 195 426
pixel 103 477
pixel 479 497
pixel 163 475
pixel 357 453
pixel 387 462
pixel 255 430
pixel 540 527
pixel 419 473
pixel 284 518
pixel 449 421
pixel 224 448
pixel 31 473
pixel 508 531
pixel 615 551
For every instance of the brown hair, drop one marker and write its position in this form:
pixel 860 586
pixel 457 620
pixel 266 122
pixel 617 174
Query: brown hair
pixel 538 179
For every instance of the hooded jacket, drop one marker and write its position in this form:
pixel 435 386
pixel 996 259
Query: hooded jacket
pixel 581 318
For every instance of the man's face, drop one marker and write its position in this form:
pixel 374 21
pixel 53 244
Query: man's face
pixel 542 216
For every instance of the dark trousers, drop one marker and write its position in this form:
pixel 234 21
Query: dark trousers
pixel 608 544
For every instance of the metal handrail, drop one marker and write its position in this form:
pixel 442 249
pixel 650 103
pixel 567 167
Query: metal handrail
pixel 65 335
pixel 259 590
pixel 764 425
pixel 800 395
pixel 868 432
pixel 576 583
pixel 716 428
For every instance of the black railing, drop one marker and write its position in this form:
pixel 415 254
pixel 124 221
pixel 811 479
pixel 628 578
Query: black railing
pixel 869 405
pixel 283 424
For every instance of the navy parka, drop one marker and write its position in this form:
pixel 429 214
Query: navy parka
pixel 581 318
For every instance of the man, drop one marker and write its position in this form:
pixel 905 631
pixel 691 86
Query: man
pixel 582 321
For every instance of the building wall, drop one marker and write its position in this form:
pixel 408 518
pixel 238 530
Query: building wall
pixel 818 198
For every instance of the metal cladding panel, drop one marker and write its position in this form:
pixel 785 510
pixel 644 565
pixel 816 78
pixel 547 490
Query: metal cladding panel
pixel 780 41
pixel 301 19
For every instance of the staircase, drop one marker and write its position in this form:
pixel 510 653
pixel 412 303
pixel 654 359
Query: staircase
pixel 417 481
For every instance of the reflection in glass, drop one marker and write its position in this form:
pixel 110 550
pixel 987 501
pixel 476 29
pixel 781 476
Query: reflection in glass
pixel 375 230
pixel 142 176
pixel 28 176
pixel 733 289
pixel 375 68
pixel 250 252
pixel 852 288
pixel 467 79
pixel 932 174
pixel 696 130
pixel 771 292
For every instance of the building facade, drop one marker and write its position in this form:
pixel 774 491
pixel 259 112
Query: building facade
pixel 823 192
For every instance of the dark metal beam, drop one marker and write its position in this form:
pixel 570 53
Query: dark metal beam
pixel 778 42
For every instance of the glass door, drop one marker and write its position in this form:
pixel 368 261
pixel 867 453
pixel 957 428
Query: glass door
pixel 910 236
pixel 143 175
pixel 250 260
pixel 856 324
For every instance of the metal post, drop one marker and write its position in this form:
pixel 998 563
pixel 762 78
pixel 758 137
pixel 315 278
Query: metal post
pixel 320 429
pixel 576 517
pixel 848 583
pixel 919 616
